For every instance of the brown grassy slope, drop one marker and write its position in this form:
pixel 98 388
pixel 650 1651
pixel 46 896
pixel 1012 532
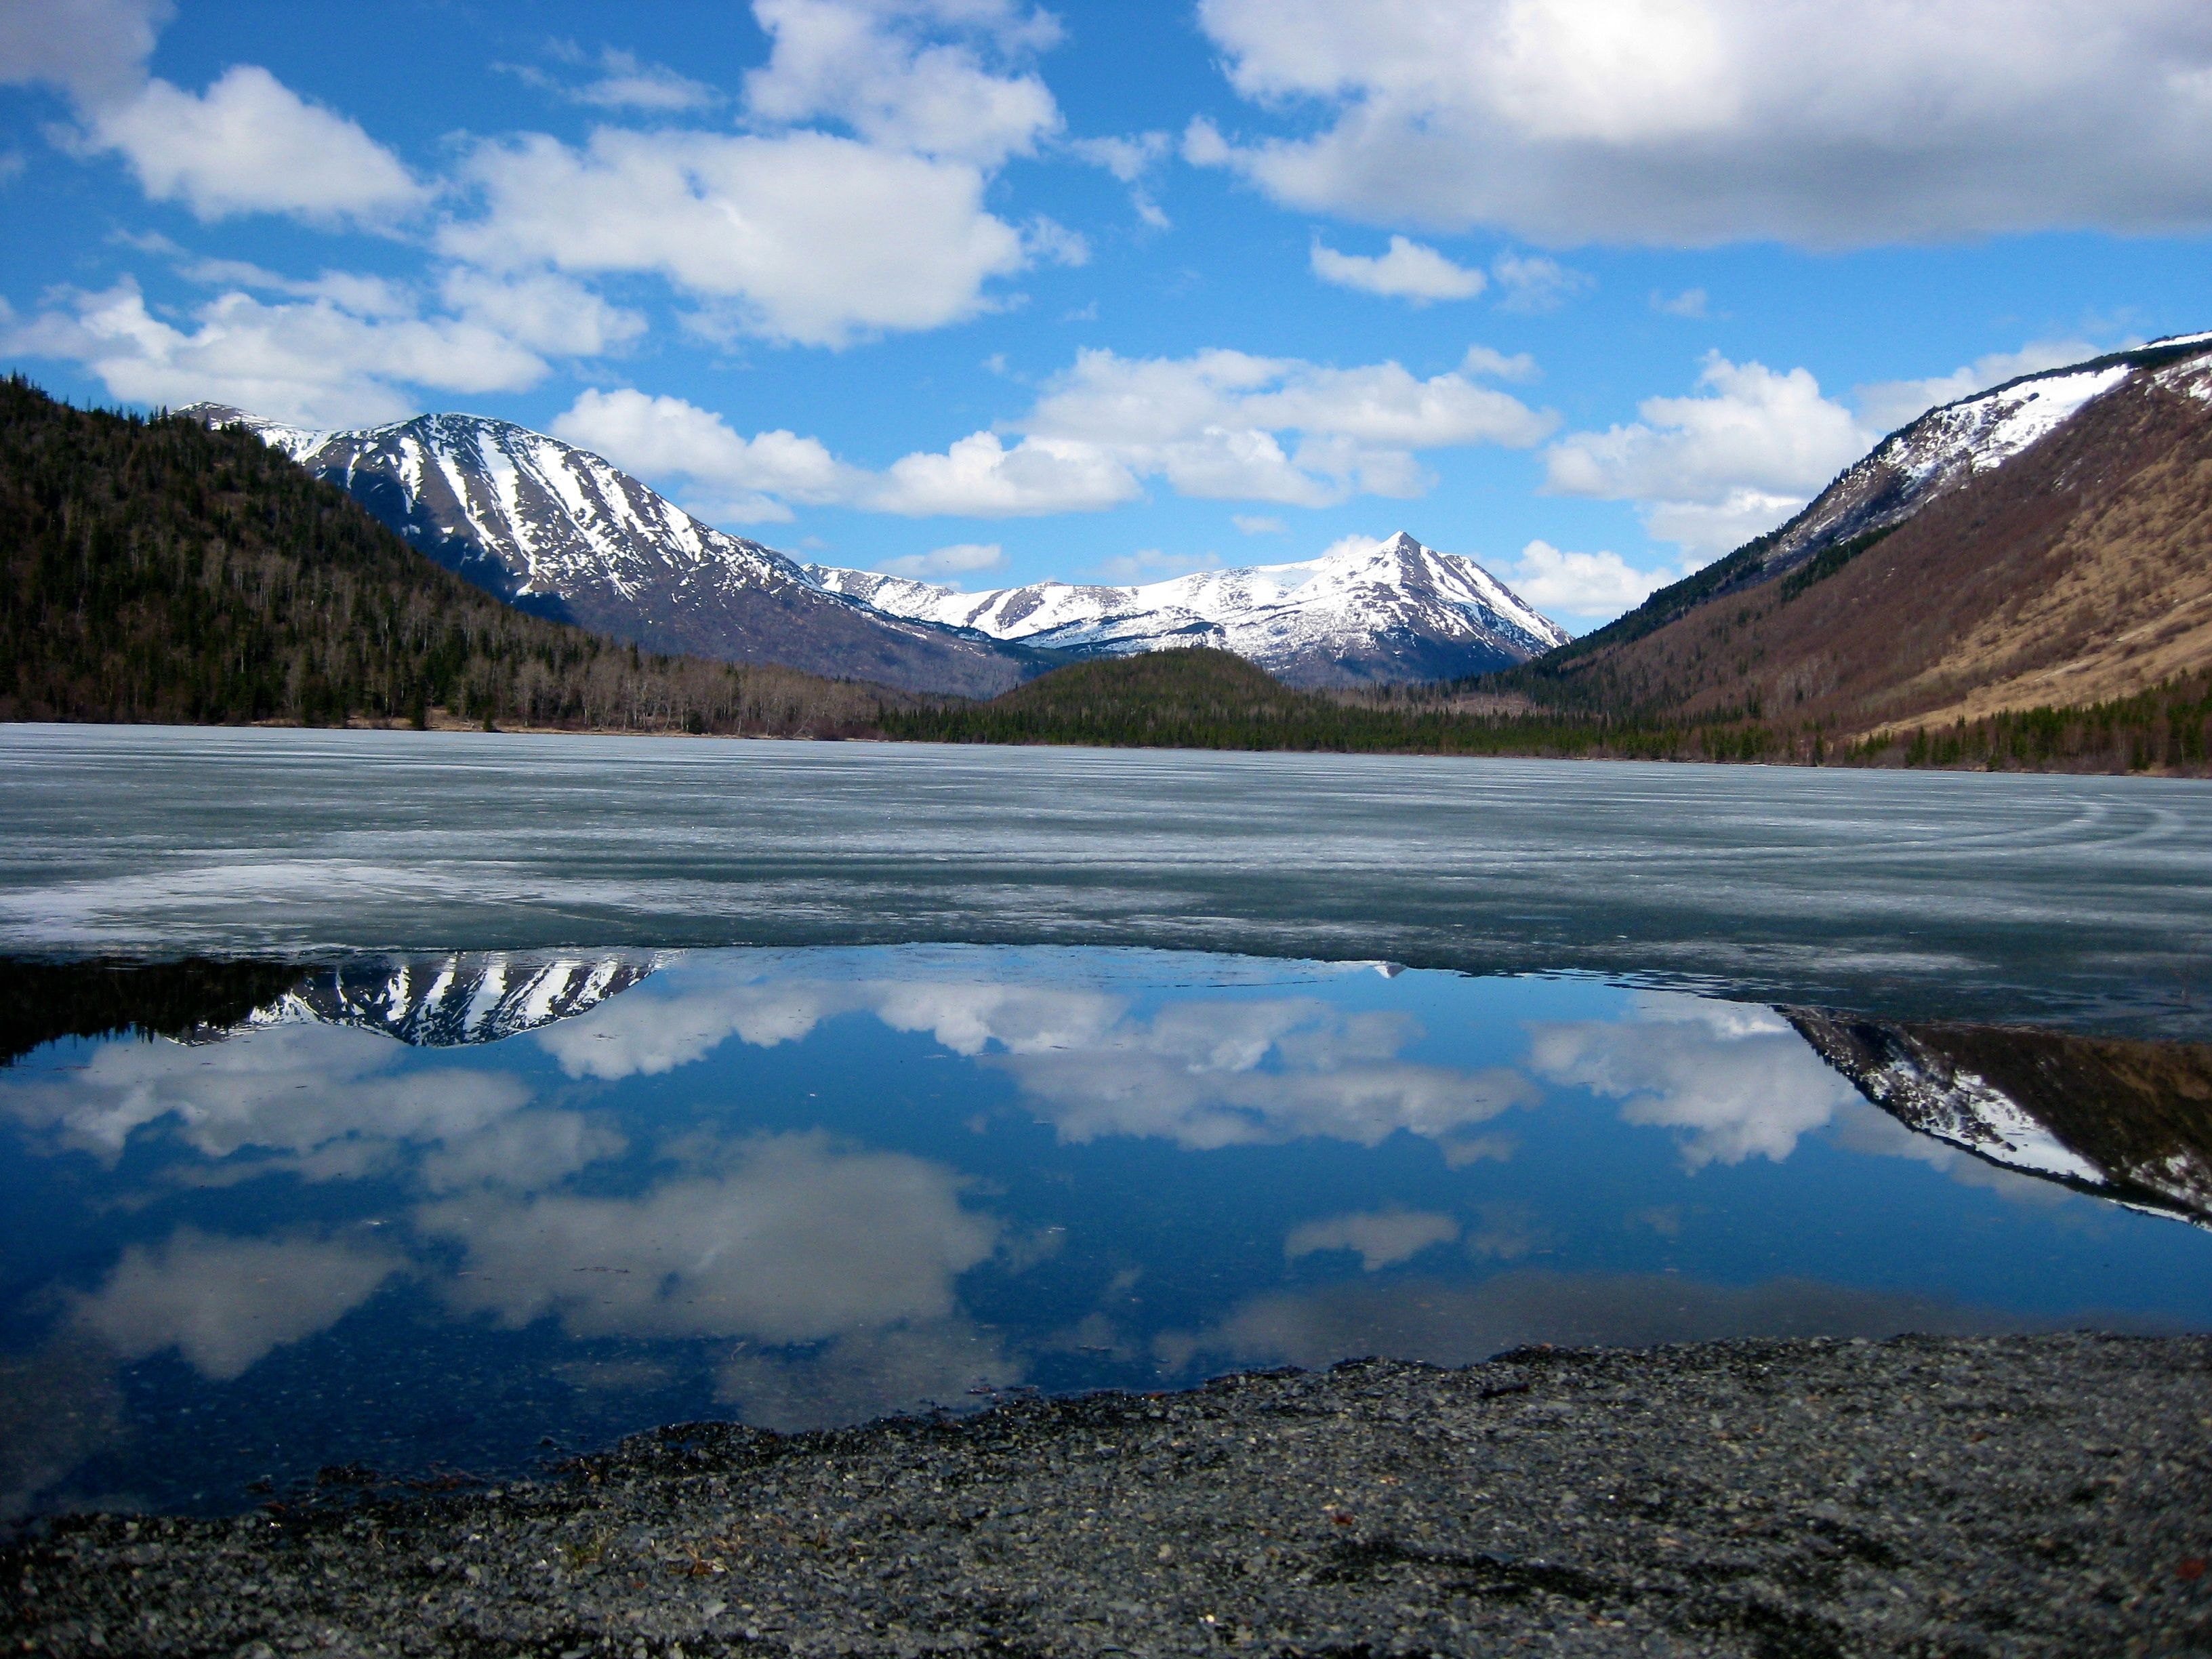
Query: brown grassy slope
pixel 2079 571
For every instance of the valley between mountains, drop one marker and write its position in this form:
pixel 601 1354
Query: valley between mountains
pixel 2021 578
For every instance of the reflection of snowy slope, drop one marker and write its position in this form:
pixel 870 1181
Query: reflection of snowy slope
pixel 437 1002
pixel 2129 1121
pixel 1393 611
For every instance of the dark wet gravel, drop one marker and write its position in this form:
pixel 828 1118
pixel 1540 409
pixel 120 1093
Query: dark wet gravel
pixel 2025 1495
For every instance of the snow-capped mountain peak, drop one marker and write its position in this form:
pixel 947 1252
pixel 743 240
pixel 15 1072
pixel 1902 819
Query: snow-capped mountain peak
pixel 1389 610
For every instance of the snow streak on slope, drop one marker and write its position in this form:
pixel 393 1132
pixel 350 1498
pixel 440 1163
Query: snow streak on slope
pixel 1948 446
pixel 461 998
pixel 561 532
pixel 1392 611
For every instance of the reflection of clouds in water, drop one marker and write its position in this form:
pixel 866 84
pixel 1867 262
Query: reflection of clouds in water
pixel 798 1242
pixel 866 1374
pixel 1450 1325
pixel 1862 1127
pixel 1737 1078
pixel 296 1089
pixel 1380 1236
pixel 224 1303
pixel 1203 1073
pixel 529 1150
pixel 1508 1231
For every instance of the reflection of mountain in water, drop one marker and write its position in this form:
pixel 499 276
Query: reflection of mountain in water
pixel 433 1002
pixel 2127 1120
pixel 464 996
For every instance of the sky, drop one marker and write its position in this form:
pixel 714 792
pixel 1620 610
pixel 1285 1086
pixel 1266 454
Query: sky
pixel 988 291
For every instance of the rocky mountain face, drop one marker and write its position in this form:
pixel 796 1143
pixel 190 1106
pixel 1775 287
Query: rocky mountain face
pixel 2049 542
pixel 556 529
pixel 2128 1120
pixel 462 997
pixel 1393 612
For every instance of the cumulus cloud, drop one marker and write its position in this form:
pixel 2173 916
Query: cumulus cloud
pixel 225 1303
pixel 249 144
pixel 1737 1080
pixel 981 477
pixel 1689 303
pixel 871 66
pixel 1258 524
pixel 1701 121
pixel 1889 404
pixel 1410 270
pixel 1598 585
pixel 324 362
pixel 1380 1237
pixel 730 475
pixel 804 237
pixel 1712 470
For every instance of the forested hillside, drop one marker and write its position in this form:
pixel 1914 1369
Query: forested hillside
pixel 157 570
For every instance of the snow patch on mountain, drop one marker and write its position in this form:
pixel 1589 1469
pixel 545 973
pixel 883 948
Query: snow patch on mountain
pixel 465 997
pixel 1358 613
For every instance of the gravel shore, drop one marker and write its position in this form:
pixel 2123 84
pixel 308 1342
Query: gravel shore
pixel 2016 1495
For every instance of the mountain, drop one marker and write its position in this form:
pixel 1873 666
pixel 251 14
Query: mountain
pixel 461 997
pixel 557 531
pixel 1395 612
pixel 2127 1120
pixel 2048 542
pixel 160 570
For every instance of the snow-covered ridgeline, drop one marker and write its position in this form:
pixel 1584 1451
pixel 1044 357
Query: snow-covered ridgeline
pixel 1276 615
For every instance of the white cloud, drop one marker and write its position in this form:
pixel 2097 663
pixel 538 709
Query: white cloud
pixel 980 476
pixel 1411 270
pixel 1599 585
pixel 249 144
pixel 541 312
pixel 666 437
pixel 1381 1237
pixel 961 558
pixel 1131 160
pixel 1254 524
pixel 1690 302
pixel 319 363
pixel 1889 404
pixel 1699 121
pixel 94 50
pixel 225 1303
pixel 798 1242
pixel 870 65
pixel 1532 283
pixel 1212 425
pixel 627 81
pixel 1737 1080
pixel 1710 471
pixel 802 237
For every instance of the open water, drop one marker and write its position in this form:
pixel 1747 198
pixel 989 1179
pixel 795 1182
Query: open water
pixel 534 1090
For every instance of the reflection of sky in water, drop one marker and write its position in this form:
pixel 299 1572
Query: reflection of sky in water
pixel 809 1186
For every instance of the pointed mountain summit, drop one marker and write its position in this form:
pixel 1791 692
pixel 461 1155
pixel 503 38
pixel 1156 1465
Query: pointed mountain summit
pixel 559 532
pixel 1391 611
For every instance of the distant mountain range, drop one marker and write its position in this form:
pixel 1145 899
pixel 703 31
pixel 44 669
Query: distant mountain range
pixel 2048 541
pixel 558 531
pixel 1393 612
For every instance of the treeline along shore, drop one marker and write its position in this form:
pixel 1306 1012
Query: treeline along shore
pixel 159 571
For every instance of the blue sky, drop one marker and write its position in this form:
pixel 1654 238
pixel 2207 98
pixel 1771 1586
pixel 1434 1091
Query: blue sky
pixel 1589 290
